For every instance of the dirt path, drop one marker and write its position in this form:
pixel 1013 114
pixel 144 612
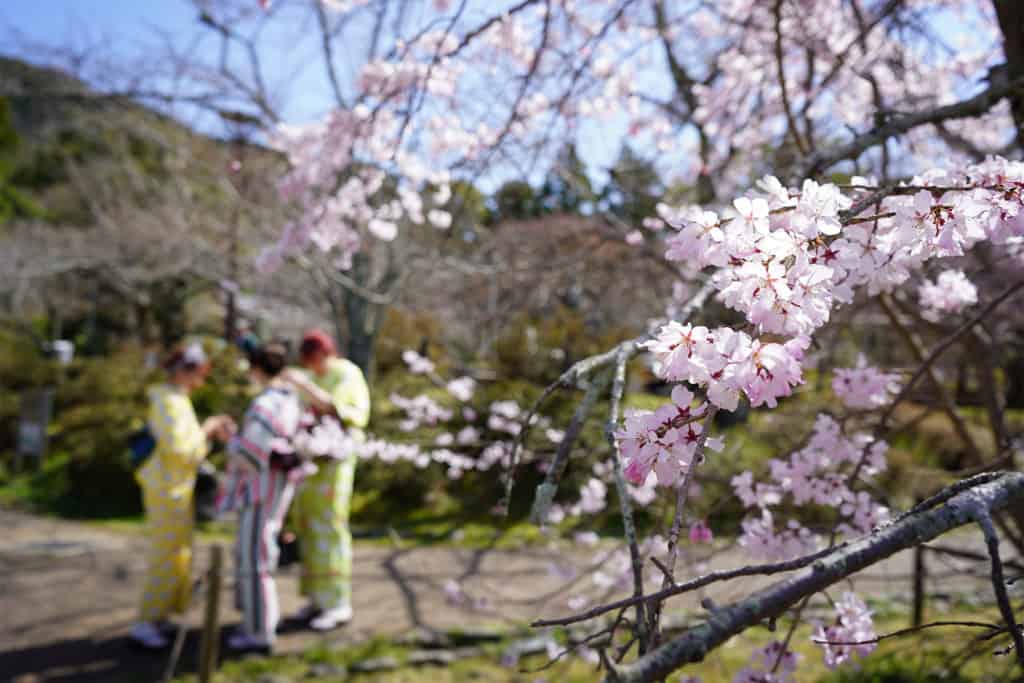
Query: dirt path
pixel 68 595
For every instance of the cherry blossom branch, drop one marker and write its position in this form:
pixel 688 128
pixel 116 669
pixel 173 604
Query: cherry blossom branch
pixel 470 36
pixel 677 522
pixel 625 506
pixel 972 505
pixel 583 368
pixel 949 492
pixel 897 125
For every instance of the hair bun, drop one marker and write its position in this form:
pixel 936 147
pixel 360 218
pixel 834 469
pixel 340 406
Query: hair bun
pixel 270 358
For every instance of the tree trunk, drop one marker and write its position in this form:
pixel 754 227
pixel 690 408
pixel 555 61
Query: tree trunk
pixel 363 319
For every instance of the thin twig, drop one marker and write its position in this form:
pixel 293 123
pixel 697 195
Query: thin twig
pixel 694 584
pixel 946 400
pixel 941 347
pixel 912 629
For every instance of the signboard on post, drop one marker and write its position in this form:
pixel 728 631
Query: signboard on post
pixel 36 410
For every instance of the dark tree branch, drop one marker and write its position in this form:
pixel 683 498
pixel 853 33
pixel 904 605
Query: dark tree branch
pixel 999 88
pixel 972 505
pixel 999 584
pixel 549 487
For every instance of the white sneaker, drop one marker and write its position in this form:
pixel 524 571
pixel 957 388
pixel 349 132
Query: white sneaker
pixel 147 635
pixel 332 618
pixel 242 641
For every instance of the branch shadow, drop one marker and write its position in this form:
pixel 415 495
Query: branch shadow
pixel 107 660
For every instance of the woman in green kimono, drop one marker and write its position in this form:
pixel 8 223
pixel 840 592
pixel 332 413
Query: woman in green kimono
pixel 335 387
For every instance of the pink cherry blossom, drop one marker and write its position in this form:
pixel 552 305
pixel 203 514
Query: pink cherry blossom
pixel 951 293
pixel 417 364
pixel 864 387
pixel 774 663
pixel 462 388
pixel 664 441
pixel 853 624
pixel 752 214
pixel 700 532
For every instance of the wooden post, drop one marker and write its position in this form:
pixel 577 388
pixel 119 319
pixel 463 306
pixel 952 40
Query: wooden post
pixel 179 643
pixel 211 618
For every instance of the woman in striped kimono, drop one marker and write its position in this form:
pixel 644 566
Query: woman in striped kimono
pixel 262 473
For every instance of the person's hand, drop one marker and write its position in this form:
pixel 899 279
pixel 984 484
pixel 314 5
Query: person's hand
pixel 219 427
pixel 295 377
pixel 311 393
pixel 228 428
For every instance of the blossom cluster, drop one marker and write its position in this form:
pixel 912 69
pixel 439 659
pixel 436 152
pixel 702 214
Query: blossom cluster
pixel 479 444
pixel 336 216
pixel 664 441
pixel 324 437
pixel 784 258
pixel 816 474
pixel 728 363
pixel 951 293
pixel 864 387
pixel 420 410
pixel 417 364
pixel 850 634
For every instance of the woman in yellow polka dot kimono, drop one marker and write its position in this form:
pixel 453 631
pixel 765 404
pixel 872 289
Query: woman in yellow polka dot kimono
pixel 167 479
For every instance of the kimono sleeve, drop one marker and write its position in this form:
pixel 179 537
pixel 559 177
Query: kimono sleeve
pixel 180 440
pixel 351 395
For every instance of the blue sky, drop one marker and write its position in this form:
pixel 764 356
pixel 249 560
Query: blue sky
pixel 121 29
pixel 127 30
pixel 78 22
